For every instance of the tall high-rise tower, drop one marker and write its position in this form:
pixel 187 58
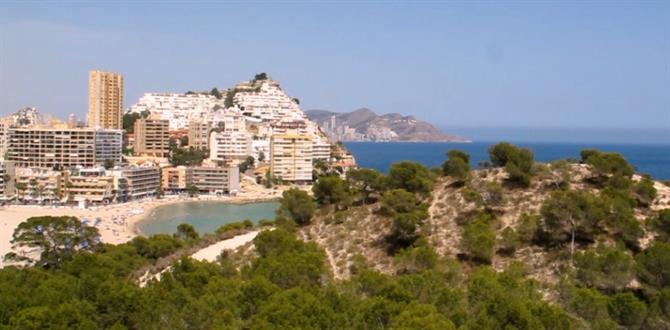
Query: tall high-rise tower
pixel 105 99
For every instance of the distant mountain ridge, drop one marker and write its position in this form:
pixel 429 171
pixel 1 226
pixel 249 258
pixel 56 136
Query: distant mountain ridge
pixel 364 125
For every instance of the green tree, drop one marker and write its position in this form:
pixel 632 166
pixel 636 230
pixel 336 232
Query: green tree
pixel 186 232
pixel 568 215
pixel 644 191
pixel 366 181
pixel 421 316
pixel 479 239
pixel 298 206
pixel 57 238
pixel 457 166
pixel 411 176
pixel 605 268
pixel 509 241
pixel 652 265
pixel 661 223
pixel 215 92
pixel 627 310
pixel 606 165
pixel 261 156
pixel 331 190
pixel 518 162
pixel 247 164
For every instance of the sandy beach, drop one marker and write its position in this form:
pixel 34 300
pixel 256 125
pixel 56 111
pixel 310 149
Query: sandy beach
pixel 117 222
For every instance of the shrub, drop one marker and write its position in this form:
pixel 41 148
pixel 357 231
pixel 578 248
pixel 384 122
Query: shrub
pixel 478 240
pixel 627 310
pixel 411 176
pixel 297 205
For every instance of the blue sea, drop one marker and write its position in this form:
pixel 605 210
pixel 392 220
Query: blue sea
pixel 652 159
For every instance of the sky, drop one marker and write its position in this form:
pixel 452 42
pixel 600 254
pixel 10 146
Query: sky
pixel 506 64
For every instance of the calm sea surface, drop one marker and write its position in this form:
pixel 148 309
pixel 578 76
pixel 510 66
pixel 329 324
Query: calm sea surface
pixel 206 217
pixel 653 159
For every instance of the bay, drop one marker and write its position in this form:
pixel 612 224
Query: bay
pixel 206 217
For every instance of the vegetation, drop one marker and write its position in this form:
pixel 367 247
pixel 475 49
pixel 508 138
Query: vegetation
pixel 457 166
pixel 187 156
pixel 412 177
pixel 297 205
pixel 130 118
pixel 247 164
pixel 588 233
pixel 518 162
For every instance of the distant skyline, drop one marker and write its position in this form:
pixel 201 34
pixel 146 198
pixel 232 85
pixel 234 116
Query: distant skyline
pixel 454 64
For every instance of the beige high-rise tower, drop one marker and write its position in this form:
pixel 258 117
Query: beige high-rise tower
pixel 105 99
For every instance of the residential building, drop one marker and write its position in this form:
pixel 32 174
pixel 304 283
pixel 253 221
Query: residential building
pixel 198 134
pixel 178 109
pixel 321 151
pixel 265 100
pixel 214 179
pixel 62 147
pixel 229 147
pixel 139 181
pixel 152 137
pixel 174 178
pixel 105 100
pixel 7 179
pixel 38 184
pixel 4 136
pixel 89 185
pixel 291 157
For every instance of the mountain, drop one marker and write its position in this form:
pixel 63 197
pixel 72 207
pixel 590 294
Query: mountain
pixel 365 125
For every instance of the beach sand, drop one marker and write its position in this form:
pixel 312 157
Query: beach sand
pixel 117 222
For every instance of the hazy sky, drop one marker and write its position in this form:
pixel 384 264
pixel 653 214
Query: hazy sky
pixel 484 64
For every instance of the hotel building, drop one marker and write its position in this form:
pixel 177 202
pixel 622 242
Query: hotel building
pixel 105 100
pixel 214 179
pixel 90 185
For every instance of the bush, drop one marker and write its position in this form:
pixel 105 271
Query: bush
pixel 627 310
pixel 509 241
pixel 478 240
pixel 527 228
pixel 605 268
pixel 661 223
pixel 411 176
pixel 297 205
pixel 457 166
pixel 331 190
pixel 518 162
pixel 652 265
pixel 606 164
pixel 644 192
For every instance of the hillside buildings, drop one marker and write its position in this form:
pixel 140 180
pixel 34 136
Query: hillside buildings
pixel 62 147
pixel 105 100
pixel 152 137
pixel 178 109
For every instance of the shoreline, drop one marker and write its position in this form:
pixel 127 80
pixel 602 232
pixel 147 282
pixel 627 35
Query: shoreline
pixel 116 223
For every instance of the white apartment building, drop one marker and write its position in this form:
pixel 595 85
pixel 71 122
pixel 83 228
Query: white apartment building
pixel 140 181
pixel 291 157
pixel 4 136
pixel 57 147
pixel 178 109
pixel 227 120
pixel 7 177
pixel 230 147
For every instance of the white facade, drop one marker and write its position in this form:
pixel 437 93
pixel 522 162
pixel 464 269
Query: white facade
pixel 142 181
pixel 229 146
pixel 267 102
pixel 178 109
